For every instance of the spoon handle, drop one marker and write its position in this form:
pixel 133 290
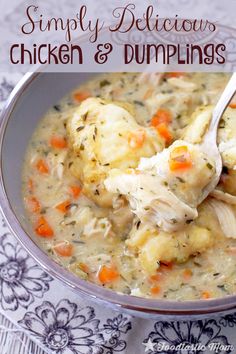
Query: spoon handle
pixel 222 104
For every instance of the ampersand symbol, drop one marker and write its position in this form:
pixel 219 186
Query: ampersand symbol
pixel 103 50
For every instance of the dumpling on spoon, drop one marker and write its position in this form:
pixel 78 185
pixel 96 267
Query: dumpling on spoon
pixel 164 189
pixel 194 133
pixel 105 135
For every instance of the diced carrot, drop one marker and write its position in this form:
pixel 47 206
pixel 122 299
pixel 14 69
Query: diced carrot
pixel 155 290
pixel 64 249
pixel 30 185
pixel 42 166
pixel 156 277
pixel 80 96
pixel 180 159
pixel 75 190
pixel 43 229
pixel 206 295
pixel 136 139
pixel 84 267
pixel 187 274
pixel 177 74
pixel 32 204
pixel 232 105
pixel 161 116
pixel 63 207
pixel 107 274
pixel 58 142
pixel 164 132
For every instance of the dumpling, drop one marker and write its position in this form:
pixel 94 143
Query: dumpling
pixel 155 246
pixel 226 132
pixel 104 135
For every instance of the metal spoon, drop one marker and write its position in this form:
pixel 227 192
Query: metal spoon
pixel 209 144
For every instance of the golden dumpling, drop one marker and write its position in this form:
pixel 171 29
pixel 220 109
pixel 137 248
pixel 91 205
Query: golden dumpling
pixel 226 132
pixel 156 246
pixel 105 135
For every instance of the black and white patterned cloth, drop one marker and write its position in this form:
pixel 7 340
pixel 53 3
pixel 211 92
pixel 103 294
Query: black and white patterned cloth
pixel 46 317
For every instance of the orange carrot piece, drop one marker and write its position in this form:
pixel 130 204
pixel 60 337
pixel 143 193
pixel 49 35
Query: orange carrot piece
pixel 64 249
pixel 30 185
pixel 206 295
pixel 164 132
pixel 32 204
pixel 155 290
pixel 58 142
pixel 161 116
pixel 107 274
pixel 187 274
pixel 63 207
pixel 75 190
pixel 84 267
pixel 180 159
pixel 42 166
pixel 136 139
pixel 232 105
pixel 43 229
pixel 81 96
pixel 156 277
pixel 177 74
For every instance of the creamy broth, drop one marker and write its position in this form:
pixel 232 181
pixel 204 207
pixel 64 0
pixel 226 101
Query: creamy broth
pixel 102 241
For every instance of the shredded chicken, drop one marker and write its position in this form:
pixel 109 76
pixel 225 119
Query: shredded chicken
pixel 182 84
pixel 160 196
pixel 224 197
pixel 226 216
pixel 151 201
pixel 150 78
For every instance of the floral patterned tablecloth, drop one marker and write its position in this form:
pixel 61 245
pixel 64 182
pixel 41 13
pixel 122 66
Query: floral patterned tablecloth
pixel 39 315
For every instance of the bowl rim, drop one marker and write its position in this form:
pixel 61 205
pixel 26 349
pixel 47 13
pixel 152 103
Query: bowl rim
pixel 95 292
